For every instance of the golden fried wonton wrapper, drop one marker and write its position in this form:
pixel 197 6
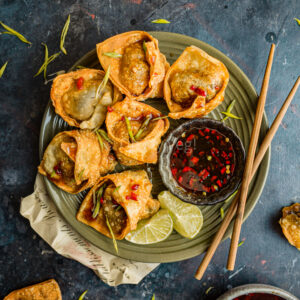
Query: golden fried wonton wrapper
pixel 145 149
pixel 76 102
pixel 47 290
pixel 141 208
pixel 74 160
pixel 290 224
pixel 195 84
pixel 138 74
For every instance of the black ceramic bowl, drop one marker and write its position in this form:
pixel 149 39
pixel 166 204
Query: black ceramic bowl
pixel 189 195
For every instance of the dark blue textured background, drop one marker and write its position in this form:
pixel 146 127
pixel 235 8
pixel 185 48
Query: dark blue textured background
pixel 243 30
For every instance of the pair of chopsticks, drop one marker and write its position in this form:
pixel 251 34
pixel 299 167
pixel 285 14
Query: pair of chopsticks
pixel 237 206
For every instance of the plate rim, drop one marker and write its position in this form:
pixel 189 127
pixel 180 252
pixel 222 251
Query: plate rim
pixel 163 258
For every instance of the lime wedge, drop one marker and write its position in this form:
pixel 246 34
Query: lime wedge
pixel 187 218
pixel 152 230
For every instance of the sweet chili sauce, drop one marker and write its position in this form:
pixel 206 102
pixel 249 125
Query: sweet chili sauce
pixel 258 296
pixel 202 160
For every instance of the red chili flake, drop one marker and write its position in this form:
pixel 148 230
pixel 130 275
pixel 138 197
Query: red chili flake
pixel 109 109
pixel 206 130
pixel 201 153
pixel 211 142
pixel 180 179
pixel 175 154
pixel 57 169
pixel 101 200
pixel 200 92
pixel 179 143
pixel 207 137
pixel 155 74
pixel 227 162
pixel 230 148
pixel 230 154
pixel 224 154
pixel 189 151
pixel 135 187
pixel 214 178
pixel 213 132
pixel 223 170
pixel 201 132
pixel 224 181
pixel 222 143
pixel 79 83
pixel 184 161
pixel 132 196
pixel 217 88
pixel 123 118
pixel 188 169
pixel 201 173
pixel 206 174
pixel 194 160
pixel 190 137
pixel 218 137
pixel 174 171
pixel 208 168
pixel 219 183
pixel 192 87
pixel 206 188
pixel 212 188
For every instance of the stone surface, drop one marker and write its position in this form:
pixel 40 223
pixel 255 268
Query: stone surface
pixel 243 30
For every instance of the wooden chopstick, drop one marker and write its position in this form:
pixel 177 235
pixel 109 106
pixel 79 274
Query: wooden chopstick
pixel 249 163
pixel 233 206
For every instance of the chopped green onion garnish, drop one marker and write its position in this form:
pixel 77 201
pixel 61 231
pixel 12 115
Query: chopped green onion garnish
pixel 229 109
pixel 143 127
pixel 100 140
pixel 80 67
pixel 117 188
pixel 103 83
pixel 129 130
pixel 80 174
pixel 297 20
pixel 105 136
pixel 13 32
pixel 231 115
pixel 241 243
pixel 208 290
pixel 112 54
pixel 160 118
pixel 63 35
pixel 3 69
pixel 96 209
pixel 160 21
pixel 113 236
pixel 118 208
pixel 222 212
pixel 100 191
pixel 82 295
pixel 52 174
pixel 94 200
pixel 144 46
pixel 57 73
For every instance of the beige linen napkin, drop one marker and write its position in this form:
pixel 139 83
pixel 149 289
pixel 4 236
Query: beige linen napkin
pixel 42 214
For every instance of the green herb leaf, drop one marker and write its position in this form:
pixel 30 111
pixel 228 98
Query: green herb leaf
pixel 118 208
pixel 229 109
pixel 113 236
pixel 160 118
pixel 153 297
pixel 46 59
pixel 15 33
pixel 112 54
pixel 103 83
pixel 99 140
pixel 230 115
pixel 117 188
pixel 297 20
pixel 63 35
pixel 241 243
pixel 3 69
pixel 222 212
pixel 143 127
pixel 160 21
pixel 130 133
pixel 105 136
pixel 52 175
pixel 94 200
pixel 208 290
pixel 144 46
pixel 82 295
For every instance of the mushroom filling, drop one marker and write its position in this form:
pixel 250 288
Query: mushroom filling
pixel 187 85
pixel 80 103
pixel 135 70
pixel 113 211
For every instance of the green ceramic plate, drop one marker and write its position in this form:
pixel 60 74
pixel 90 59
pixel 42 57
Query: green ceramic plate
pixel 175 248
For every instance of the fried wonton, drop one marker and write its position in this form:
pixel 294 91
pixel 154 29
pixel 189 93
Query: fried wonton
pixel 143 149
pixel 47 290
pixel 75 98
pixel 137 67
pixel 120 199
pixel 74 160
pixel 195 84
pixel 290 224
